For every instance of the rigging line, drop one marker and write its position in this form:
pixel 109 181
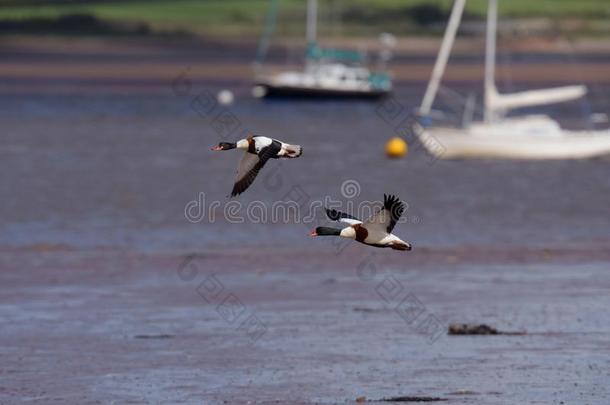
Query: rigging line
pixel 270 22
pixel 585 102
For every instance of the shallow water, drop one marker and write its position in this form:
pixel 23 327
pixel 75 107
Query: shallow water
pixel 118 171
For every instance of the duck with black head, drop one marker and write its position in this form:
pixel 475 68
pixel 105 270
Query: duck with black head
pixel 257 151
pixel 376 231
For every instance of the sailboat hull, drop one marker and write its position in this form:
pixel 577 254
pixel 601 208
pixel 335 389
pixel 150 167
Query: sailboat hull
pixel 319 92
pixel 516 139
pixel 330 80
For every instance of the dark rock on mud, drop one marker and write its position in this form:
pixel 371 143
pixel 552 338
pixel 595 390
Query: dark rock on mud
pixel 163 336
pixel 412 399
pixel 471 329
pixel 477 329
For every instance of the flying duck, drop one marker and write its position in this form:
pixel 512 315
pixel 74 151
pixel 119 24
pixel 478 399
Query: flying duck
pixel 258 149
pixel 376 231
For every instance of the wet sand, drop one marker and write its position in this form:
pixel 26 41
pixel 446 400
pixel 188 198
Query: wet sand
pixel 109 294
pixel 110 326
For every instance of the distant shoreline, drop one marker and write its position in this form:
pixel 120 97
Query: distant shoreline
pixel 77 65
pixel 249 18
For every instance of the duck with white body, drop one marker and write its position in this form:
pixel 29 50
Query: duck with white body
pixel 376 231
pixel 257 151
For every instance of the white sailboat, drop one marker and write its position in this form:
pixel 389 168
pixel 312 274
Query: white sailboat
pixel 498 136
pixel 326 72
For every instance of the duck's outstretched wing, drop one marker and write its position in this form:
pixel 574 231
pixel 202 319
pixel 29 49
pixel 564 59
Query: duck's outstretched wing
pixel 385 219
pixel 249 167
pixel 247 171
pixel 342 216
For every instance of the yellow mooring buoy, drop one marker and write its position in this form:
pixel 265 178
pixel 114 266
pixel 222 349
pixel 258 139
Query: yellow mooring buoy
pixel 396 147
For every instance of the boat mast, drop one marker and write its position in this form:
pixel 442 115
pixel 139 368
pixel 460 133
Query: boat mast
pixel 263 44
pixel 490 59
pixel 443 56
pixel 312 21
pixel 496 104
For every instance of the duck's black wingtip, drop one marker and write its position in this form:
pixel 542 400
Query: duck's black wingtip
pixel 338 215
pixel 236 191
pixel 331 214
pixel 391 200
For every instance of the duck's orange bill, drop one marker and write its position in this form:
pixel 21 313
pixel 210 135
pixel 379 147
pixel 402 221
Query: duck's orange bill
pixel 216 148
pixel 313 233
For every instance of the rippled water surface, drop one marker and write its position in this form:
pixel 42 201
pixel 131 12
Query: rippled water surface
pixel 118 170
